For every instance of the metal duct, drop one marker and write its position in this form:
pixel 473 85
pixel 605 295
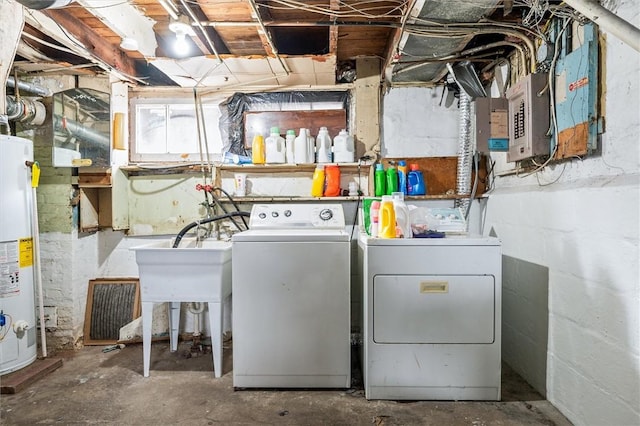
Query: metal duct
pixel 26 111
pixel 29 87
pixel 44 4
pixel 79 131
pixel 464 152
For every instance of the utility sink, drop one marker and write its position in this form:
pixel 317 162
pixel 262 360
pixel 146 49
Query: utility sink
pixel 196 271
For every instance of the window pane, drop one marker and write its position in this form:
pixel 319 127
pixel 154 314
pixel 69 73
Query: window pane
pixel 151 129
pixel 182 133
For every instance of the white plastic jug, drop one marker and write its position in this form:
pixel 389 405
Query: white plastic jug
pixel 300 148
pixel 274 147
pixel 289 142
pixel 323 146
pixel 311 147
pixel 343 148
pixel 403 220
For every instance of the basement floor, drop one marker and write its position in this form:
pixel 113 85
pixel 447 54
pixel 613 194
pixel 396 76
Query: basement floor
pixel 96 387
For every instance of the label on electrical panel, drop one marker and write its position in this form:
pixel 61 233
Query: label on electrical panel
pixel 499 124
pixel 9 269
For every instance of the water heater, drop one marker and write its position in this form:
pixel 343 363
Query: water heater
pixel 17 294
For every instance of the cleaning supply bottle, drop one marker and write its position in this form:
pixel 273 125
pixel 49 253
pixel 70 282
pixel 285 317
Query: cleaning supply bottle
pixel 403 221
pixel 300 148
pixel 317 184
pixel 289 143
pixel 379 181
pixel 343 149
pixel 392 180
pixel 274 147
pixel 402 176
pixel 311 147
pixel 323 146
pixel 331 180
pixel 257 150
pixel 387 227
pixel 415 181
pixel 374 218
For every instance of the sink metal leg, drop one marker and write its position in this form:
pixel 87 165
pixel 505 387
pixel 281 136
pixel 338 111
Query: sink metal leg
pixel 174 325
pixel 215 321
pixel 147 318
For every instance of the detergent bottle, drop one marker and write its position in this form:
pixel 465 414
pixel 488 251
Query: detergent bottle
pixel 311 147
pixel 274 147
pixel 343 149
pixel 379 181
pixel 331 180
pixel 402 176
pixel 415 181
pixel 387 218
pixel 300 148
pixel 323 146
pixel 289 143
pixel 374 218
pixel 317 184
pixel 403 221
pixel 257 149
pixel 392 180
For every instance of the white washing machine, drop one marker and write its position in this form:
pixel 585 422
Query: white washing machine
pixel 291 298
pixel 431 318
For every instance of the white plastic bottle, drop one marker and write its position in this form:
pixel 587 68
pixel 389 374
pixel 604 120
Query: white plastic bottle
pixel 300 148
pixel 289 142
pixel 323 146
pixel 403 221
pixel 274 147
pixel 343 148
pixel 311 147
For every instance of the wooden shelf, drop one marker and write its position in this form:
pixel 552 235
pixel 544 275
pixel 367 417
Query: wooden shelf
pixel 289 168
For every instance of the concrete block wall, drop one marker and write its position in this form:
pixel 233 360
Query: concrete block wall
pixel 584 228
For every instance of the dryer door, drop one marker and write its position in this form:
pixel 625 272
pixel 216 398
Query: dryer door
pixel 434 309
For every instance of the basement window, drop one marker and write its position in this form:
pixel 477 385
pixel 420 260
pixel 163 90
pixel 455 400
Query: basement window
pixel 167 130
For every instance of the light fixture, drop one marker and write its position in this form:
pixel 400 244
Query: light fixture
pixel 129 43
pixel 182 28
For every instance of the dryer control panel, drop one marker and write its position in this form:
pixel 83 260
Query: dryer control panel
pixel 297 216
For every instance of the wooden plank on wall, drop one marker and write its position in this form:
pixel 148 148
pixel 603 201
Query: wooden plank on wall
pixel 440 173
pixel 259 122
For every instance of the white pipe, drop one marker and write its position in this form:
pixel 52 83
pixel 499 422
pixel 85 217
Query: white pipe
pixel 37 269
pixel 196 308
pixel 608 21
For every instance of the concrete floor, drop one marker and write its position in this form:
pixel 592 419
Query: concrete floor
pixel 94 387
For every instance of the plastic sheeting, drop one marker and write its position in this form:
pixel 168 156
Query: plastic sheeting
pixel 232 111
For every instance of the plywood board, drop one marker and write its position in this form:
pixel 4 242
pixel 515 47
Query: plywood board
pixel 261 121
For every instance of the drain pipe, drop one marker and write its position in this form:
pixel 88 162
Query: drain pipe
pixel 608 21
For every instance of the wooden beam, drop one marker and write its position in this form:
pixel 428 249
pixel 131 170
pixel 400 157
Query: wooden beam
pixel 333 30
pixel 96 45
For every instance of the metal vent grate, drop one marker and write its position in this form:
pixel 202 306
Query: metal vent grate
pixel 111 304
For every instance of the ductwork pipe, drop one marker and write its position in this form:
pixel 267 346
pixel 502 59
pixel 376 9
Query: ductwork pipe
pixel 26 111
pixel 79 131
pixel 463 186
pixel 608 21
pixel 29 87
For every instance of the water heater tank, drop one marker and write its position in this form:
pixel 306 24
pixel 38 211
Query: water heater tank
pixel 17 294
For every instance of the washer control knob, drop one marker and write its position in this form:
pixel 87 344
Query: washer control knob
pixel 326 214
pixel 287 213
pixel 262 215
pixel 275 214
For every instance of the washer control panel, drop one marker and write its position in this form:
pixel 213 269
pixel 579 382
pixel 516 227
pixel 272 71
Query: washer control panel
pixel 297 216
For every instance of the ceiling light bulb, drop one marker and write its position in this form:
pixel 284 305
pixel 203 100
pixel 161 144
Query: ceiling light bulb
pixel 181 46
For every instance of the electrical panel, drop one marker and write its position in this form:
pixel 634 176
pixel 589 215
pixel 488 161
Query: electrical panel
pixel 492 129
pixel 528 118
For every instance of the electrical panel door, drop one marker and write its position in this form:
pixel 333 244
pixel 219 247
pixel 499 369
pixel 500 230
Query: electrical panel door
pixel 528 118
